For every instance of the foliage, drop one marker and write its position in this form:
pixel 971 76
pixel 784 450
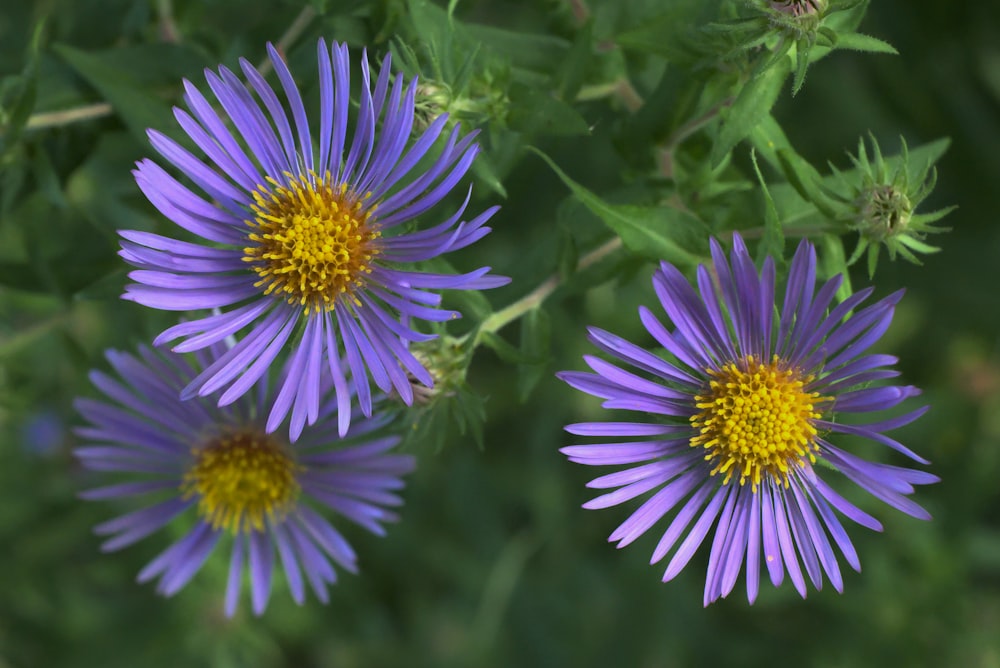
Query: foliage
pixel 615 134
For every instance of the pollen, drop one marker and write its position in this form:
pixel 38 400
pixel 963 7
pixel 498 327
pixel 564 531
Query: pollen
pixel 756 420
pixel 242 479
pixel 312 241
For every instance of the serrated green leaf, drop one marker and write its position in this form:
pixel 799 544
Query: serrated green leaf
pixel 752 105
pixel 856 41
pixel 651 231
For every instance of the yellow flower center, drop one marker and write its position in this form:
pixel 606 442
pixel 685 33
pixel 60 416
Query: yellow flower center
pixel 311 240
pixel 756 419
pixel 241 478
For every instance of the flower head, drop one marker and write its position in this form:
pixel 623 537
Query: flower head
pixel 240 485
pixel 879 201
pixel 741 417
pixel 304 236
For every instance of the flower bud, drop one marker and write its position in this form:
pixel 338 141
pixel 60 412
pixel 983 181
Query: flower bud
pixel 883 211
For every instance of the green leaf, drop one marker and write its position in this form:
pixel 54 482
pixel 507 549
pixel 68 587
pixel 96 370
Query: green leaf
pixel 21 89
pixel 773 242
pixel 535 111
pixel 805 179
pixel 567 255
pixel 539 53
pixel 768 138
pixel 859 42
pixel 573 70
pixel 138 108
pixel 24 91
pixel 536 340
pixel 751 107
pixel 504 350
pixel 833 261
pixel 670 34
pixel 651 231
pixel 485 172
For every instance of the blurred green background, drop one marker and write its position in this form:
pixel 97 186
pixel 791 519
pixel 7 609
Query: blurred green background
pixel 494 563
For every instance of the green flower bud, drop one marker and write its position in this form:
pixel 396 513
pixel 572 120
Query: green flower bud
pixel 446 361
pixel 799 7
pixel 883 212
pixel 879 199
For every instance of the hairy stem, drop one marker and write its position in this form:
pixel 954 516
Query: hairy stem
pixel 533 299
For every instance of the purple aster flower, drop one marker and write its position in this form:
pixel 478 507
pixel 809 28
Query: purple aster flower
pixel 304 239
pixel 739 418
pixel 241 486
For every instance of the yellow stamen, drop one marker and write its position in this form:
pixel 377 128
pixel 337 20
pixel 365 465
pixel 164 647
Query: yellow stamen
pixel 311 240
pixel 756 420
pixel 240 479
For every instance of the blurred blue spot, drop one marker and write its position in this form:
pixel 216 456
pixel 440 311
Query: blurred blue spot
pixel 43 433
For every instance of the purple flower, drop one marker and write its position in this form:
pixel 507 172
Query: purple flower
pixel 304 238
pixel 247 489
pixel 738 420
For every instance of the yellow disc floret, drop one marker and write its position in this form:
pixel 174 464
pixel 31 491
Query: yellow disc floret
pixel 240 479
pixel 755 419
pixel 311 240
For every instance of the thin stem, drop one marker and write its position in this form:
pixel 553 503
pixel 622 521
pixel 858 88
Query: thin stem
pixel 87 112
pixel 294 31
pixel 683 132
pixel 168 27
pixel 628 95
pixel 533 299
pixel 581 12
pixel 620 88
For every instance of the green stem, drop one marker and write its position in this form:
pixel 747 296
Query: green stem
pixel 581 12
pixel 683 132
pixel 533 299
pixel 620 88
pixel 168 27
pixel 294 31
pixel 89 112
